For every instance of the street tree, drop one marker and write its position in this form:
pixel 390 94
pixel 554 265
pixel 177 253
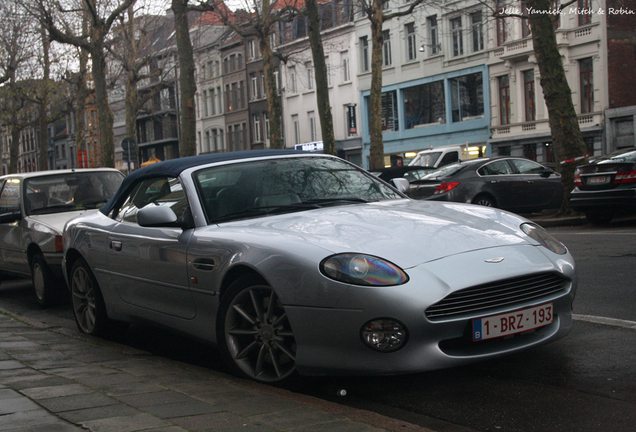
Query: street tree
pixel 187 83
pixel 567 142
pixel 373 10
pixel 322 86
pixel 133 48
pixel 61 22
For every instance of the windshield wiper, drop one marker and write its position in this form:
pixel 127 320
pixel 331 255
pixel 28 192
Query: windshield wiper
pixel 56 208
pixel 336 201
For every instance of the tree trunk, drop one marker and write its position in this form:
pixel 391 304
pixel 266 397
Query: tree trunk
pixel 187 84
pixel 44 103
pixel 322 85
pixel 104 113
pixel 273 102
pixel 567 141
pixel 80 107
pixel 376 156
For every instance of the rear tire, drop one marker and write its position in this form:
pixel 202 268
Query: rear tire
pixel 89 308
pixel 484 200
pixel 599 217
pixel 47 288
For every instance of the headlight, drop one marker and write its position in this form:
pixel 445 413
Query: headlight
pixel 361 269
pixel 546 240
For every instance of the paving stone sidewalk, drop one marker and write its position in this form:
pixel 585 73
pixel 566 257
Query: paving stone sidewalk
pixel 55 380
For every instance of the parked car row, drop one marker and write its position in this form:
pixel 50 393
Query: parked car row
pixel 284 260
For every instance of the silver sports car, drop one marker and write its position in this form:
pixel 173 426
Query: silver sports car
pixel 291 261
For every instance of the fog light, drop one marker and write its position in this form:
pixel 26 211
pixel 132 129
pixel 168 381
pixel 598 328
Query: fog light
pixel 384 335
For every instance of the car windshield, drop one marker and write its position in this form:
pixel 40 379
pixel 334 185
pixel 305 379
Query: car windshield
pixel 78 190
pixel 251 189
pixel 622 156
pixel 429 159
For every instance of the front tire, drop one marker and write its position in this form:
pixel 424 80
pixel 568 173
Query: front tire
pixel 254 334
pixel 89 308
pixel 47 288
pixel 599 217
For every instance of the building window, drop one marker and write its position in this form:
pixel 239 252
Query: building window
pixel 292 80
pixel 411 43
pixel 212 98
pixel 310 76
pixel 346 72
pixel 206 149
pixel 433 34
pixel 587 85
pixel 364 54
pixel 296 129
pixel 276 80
pixel 251 50
pixel 530 151
pixel 457 36
pixel 312 127
pixel 585 12
pixel 390 111
pixel 266 118
pixel 504 100
pixel 525 22
pixel 528 92
pixel 424 104
pixel 386 48
pixel 467 97
pixel 205 103
pixel 257 128
pixel 254 81
pixel 477 31
pixel 329 82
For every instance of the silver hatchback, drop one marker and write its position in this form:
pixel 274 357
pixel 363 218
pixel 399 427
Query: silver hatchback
pixel 33 210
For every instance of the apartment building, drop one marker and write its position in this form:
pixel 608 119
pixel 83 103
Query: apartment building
pixel 301 121
pixel 434 78
pixel 519 114
pixel 210 125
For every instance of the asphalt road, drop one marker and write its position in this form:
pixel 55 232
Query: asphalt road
pixel 585 382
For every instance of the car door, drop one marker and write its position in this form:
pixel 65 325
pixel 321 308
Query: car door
pixel 12 250
pixel 499 180
pixel 538 191
pixel 148 265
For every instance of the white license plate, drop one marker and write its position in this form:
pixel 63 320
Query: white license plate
pixel 598 180
pixel 512 322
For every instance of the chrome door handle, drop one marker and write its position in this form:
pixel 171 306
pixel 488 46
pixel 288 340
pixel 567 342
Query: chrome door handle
pixel 115 245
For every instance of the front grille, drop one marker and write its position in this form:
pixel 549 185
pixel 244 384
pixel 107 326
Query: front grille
pixel 482 299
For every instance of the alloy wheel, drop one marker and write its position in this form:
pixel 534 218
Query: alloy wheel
pixel 258 335
pixel 84 304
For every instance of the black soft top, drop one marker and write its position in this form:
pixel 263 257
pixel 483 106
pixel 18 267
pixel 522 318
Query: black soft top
pixel 174 167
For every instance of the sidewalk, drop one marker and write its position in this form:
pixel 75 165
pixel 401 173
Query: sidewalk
pixel 55 380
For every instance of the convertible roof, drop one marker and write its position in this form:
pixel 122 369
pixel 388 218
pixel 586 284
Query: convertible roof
pixel 174 167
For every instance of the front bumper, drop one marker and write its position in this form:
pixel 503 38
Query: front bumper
pixel 329 339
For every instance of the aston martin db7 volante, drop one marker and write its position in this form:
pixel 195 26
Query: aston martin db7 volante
pixel 300 262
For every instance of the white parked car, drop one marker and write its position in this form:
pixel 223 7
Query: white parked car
pixel 33 210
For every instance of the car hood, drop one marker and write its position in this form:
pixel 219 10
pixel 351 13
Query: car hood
pixel 56 221
pixel 406 232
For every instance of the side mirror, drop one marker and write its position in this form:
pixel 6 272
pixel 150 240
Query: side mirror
pixel 157 216
pixel 10 217
pixel 402 185
pixel 546 173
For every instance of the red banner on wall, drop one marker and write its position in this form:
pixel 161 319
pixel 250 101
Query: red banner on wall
pixel 82 159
